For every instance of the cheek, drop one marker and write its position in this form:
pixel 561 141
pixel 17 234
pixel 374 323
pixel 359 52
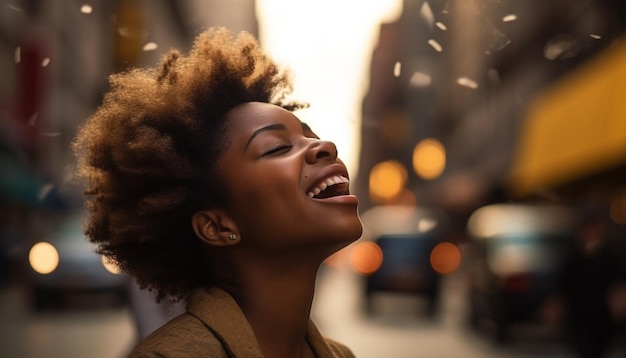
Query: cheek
pixel 266 200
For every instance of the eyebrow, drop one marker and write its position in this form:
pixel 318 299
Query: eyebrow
pixel 277 126
pixel 306 128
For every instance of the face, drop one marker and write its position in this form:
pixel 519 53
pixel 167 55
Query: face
pixel 287 188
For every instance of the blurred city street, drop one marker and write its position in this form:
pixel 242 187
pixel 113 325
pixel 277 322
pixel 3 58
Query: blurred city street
pixel 84 332
pixel 484 133
pixel 398 329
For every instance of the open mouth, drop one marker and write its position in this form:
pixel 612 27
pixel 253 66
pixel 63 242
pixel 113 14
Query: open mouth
pixel 332 186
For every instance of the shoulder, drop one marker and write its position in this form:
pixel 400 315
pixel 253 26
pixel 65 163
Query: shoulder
pixel 183 336
pixel 339 350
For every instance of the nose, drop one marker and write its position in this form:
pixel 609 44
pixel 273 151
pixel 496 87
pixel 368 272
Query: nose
pixel 321 150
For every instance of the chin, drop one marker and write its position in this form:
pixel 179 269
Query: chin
pixel 352 232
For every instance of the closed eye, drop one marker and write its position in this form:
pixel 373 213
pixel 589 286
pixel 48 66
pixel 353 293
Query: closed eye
pixel 277 149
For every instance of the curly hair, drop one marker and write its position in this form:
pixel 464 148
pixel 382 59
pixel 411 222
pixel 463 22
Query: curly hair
pixel 148 154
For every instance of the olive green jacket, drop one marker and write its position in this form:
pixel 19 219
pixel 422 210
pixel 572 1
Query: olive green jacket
pixel 214 326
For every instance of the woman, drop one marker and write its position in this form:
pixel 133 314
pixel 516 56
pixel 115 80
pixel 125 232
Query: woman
pixel 204 186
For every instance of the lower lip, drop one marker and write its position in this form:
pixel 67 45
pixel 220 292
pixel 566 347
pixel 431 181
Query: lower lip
pixel 341 199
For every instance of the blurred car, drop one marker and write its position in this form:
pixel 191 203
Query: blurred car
pixel 400 253
pixel 517 254
pixel 64 264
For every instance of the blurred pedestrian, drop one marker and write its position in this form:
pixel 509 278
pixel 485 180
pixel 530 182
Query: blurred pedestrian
pixel 590 276
pixel 204 185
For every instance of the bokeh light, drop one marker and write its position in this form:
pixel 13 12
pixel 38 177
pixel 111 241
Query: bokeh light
pixel 445 258
pixel 429 158
pixel 110 266
pixel 43 258
pixel 387 180
pixel 366 257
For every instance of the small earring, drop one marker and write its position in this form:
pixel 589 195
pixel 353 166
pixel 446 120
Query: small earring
pixel 232 237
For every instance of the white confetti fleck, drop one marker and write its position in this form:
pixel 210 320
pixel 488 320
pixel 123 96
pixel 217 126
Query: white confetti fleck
pixel 396 69
pixel 419 79
pixel 493 75
pixel 595 36
pixel 467 82
pixel 441 26
pixel 45 62
pixel 44 191
pixel 51 134
pixel 86 9
pixel 33 119
pixel 427 14
pixel 124 31
pixel 14 8
pixel 509 18
pixel 17 56
pixel 150 46
pixel 561 47
pixel 434 44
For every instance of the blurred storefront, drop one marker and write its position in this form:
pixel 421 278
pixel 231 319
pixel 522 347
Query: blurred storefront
pixel 573 140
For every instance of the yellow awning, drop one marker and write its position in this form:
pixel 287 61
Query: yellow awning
pixel 575 128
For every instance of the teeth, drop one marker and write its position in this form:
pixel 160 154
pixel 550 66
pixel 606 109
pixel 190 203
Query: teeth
pixel 337 179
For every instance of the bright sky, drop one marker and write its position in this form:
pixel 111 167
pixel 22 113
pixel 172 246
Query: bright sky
pixel 328 45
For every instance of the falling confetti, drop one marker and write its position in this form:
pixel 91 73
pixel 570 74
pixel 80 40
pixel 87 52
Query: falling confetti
pixel 441 26
pixel 124 31
pixel 509 18
pixel 51 134
pixel 17 56
pixel 497 40
pixel 434 44
pixel 33 119
pixel 419 79
pixel 86 9
pixel 427 14
pixel 396 69
pixel 45 62
pixel 561 47
pixel 14 8
pixel 493 75
pixel 44 191
pixel 150 46
pixel 466 82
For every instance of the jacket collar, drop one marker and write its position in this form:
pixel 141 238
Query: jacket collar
pixel 221 314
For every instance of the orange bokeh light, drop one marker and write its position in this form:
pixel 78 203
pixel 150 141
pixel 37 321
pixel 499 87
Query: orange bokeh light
pixel 366 258
pixel 445 258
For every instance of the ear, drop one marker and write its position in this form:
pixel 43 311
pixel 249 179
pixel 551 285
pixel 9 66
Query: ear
pixel 215 228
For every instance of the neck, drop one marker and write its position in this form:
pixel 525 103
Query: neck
pixel 276 300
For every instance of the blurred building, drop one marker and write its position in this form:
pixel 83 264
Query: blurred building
pixel 55 57
pixel 471 75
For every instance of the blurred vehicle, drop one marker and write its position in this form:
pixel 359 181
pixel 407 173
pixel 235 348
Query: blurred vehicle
pixel 400 254
pixel 64 264
pixel 517 253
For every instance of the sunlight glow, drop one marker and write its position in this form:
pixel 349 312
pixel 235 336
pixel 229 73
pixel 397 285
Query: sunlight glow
pixel 328 46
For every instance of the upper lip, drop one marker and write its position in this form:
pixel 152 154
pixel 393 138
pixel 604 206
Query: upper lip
pixel 330 172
